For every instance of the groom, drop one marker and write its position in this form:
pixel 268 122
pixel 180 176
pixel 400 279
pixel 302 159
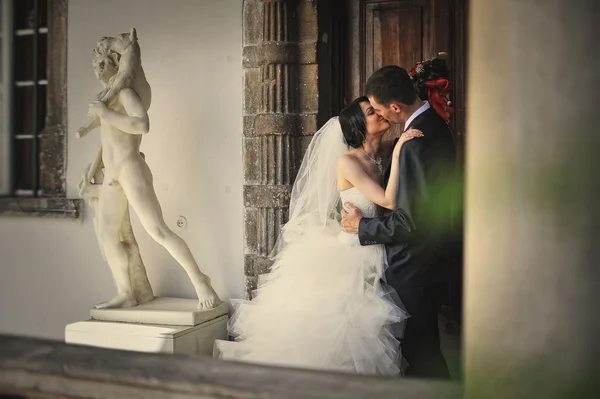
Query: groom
pixel 416 235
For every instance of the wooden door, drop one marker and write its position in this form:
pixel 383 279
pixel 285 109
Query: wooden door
pixel 403 32
pixel 360 36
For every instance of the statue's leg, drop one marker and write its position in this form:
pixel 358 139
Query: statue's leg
pixel 136 181
pixel 140 286
pixel 93 204
pixel 111 209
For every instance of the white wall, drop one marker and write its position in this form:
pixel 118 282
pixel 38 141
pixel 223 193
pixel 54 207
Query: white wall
pixel 51 271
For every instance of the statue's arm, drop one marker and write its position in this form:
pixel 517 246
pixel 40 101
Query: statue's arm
pixel 95 172
pixel 92 172
pixel 91 125
pixel 136 119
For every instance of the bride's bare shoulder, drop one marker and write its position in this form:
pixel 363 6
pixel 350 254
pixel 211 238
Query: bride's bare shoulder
pixel 346 162
pixel 347 159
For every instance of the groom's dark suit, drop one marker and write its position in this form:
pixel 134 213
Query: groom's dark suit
pixel 418 237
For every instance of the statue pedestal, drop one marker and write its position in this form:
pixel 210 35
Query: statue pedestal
pixel 167 325
pixel 162 310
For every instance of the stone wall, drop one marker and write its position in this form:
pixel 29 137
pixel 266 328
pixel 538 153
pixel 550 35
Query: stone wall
pixel 281 103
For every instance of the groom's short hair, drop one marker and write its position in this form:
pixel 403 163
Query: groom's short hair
pixel 391 84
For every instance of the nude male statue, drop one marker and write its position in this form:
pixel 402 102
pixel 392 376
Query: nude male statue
pixel 127 179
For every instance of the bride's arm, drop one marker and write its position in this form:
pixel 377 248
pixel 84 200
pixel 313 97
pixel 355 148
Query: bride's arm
pixel 351 170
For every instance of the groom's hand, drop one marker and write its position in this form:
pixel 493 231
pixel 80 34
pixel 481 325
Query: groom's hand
pixel 350 218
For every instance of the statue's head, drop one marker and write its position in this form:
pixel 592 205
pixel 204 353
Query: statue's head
pixel 121 42
pixel 108 51
pixel 105 60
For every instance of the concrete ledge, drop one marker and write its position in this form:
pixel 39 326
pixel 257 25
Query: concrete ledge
pixel 46 207
pixel 50 369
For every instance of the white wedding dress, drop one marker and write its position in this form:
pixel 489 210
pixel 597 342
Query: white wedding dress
pixel 322 305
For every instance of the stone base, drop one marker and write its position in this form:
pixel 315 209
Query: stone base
pixel 164 311
pixel 168 325
pixel 148 338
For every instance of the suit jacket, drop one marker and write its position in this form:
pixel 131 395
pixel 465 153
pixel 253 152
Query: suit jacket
pixel 420 234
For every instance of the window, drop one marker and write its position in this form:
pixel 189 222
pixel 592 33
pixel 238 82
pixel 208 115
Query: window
pixel 33 107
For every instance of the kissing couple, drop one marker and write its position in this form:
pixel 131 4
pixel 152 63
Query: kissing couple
pixel 360 268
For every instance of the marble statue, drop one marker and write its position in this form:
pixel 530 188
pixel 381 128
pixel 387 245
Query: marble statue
pixel 120 176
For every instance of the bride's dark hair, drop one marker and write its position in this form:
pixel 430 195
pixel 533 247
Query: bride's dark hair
pixel 353 123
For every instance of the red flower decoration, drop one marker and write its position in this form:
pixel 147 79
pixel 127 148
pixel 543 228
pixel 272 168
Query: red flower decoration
pixel 431 80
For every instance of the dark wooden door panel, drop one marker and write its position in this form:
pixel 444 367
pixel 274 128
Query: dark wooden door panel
pixel 402 32
pixel 393 35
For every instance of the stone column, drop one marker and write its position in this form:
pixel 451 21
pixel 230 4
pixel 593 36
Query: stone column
pixel 533 192
pixel 280 106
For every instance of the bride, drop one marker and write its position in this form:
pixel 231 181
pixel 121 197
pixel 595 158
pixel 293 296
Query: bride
pixel 323 304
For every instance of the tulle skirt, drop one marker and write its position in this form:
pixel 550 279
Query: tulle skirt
pixel 322 306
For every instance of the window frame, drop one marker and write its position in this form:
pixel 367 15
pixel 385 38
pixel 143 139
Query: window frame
pixel 52 141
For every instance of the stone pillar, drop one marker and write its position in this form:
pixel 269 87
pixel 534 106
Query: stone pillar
pixel 280 106
pixel 533 192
